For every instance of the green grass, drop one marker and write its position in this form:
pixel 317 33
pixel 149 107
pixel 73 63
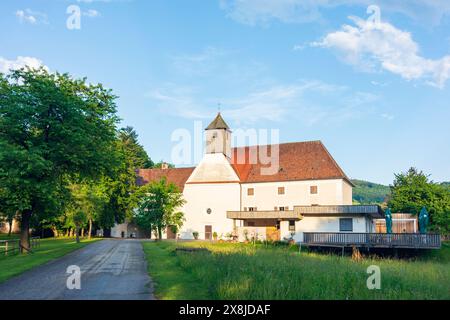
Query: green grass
pixel 4 236
pixel 49 249
pixel 239 271
pixel 173 282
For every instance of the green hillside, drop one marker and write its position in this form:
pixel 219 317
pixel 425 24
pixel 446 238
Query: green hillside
pixel 366 192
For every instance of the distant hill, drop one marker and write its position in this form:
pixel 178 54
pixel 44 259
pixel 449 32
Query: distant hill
pixel 445 184
pixel 366 192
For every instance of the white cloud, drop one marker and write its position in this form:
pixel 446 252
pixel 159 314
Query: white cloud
pixel 200 63
pixel 177 101
pixel 371 45
pixel 387 116
pixel 308 101
pixel 32 17
pixel 254 12
pixel 20 62
pixel 91 13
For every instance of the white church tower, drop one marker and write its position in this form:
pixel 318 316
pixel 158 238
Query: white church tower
pixel 218 137
pixel 213 188
pixel 215 166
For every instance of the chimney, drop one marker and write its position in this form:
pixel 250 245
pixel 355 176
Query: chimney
pixel 164 166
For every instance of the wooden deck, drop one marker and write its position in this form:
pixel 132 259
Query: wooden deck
pixel 373 240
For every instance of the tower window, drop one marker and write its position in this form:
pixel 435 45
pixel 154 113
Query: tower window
pixel 280 190
pixel 313 189
pixel 250 191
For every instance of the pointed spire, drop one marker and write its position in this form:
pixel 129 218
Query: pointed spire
pixel 218 123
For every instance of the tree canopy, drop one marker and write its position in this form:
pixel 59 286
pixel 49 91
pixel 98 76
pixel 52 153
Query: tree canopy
pixel 413 190
pixel 53 129
pixel 159 207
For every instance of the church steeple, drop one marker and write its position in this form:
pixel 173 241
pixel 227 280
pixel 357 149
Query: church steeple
pixel 218 123
pixel 218 137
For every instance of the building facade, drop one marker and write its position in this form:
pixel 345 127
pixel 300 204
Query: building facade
pixel 238 193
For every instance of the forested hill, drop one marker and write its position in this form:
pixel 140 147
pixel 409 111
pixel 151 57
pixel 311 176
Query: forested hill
pixel 366 192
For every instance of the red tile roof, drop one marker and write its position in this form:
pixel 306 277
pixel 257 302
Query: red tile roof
pixel 177 176
pixel 297 161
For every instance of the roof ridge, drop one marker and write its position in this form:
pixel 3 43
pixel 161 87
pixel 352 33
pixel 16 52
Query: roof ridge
pixel 282 143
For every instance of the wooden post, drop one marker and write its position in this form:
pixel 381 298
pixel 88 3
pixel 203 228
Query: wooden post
pixel 6 248
pixel 356 255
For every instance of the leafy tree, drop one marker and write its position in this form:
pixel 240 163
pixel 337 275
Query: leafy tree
pixel 413 190
pixel 8 210
pixel 53 129
pixel 136 153
pixel 120 182
pixel 159 207
pixel 79 218
pixel 160 164
pixel 89 197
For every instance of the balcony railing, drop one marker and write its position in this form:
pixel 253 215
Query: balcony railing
pixel 377 240
pixel 263 214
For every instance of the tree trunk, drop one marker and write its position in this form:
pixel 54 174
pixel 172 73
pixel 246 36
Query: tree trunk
pixel 90 229
pixel 25 230
pixel 159 233
pixel 10 222
pixel 82 232
pixel 77 234
pixel 55 232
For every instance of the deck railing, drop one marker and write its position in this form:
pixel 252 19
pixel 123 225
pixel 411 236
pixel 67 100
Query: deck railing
pixel 377 240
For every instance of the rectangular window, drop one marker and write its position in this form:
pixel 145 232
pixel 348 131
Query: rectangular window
pixel 291 225
pixel 251 208
pixel 250 191
pixel 281 208
pixel 313 189
pixel 345 224
pixel 280 190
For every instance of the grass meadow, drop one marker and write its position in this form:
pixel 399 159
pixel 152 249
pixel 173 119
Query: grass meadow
pixel 246 271
pixel 50 249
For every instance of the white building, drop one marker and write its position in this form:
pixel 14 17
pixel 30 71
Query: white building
pixel 233 191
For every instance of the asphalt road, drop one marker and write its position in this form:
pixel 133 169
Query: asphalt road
pixel 110 269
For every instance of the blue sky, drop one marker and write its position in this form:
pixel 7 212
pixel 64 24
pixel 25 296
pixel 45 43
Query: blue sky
pixel 376 92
